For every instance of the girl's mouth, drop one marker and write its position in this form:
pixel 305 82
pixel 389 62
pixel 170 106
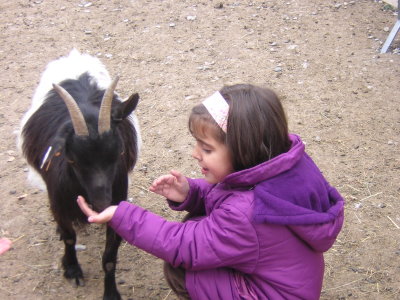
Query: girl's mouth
pixel 204 171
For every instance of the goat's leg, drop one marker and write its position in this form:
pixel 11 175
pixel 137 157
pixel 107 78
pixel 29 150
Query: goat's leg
pixel 113 241
pixel 72 269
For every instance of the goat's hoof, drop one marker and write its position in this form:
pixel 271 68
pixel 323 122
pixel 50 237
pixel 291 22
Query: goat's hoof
pixel 75 274
pixel 79 282
pixel 115 296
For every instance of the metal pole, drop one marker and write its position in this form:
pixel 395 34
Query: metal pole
pixel 393 32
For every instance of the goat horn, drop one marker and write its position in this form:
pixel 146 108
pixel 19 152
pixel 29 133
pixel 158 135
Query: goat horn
pixel 75 113
pixel 105 109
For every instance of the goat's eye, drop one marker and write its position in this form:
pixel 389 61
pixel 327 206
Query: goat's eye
pixel 123 152
pixel 70 161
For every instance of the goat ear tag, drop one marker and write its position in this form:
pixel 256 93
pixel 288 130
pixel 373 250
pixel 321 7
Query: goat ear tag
pixel 45 157
pixel 50 153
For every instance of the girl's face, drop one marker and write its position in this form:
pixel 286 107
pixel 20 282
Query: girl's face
pixel 213 157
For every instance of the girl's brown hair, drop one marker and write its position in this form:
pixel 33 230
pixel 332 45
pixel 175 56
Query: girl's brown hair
pixel 257 129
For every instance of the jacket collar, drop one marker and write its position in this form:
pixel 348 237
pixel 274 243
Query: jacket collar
pixel 269 169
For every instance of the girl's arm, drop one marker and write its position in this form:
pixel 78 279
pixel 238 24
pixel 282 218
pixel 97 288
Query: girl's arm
pixel 225 238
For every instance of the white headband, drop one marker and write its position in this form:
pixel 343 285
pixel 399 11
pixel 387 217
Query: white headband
pixel 218 109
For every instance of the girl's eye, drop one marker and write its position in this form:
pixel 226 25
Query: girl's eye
pixel 208 151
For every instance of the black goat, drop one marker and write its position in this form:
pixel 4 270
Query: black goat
pixel 82 140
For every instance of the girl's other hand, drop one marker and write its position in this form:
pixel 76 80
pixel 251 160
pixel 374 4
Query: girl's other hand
pixel 95 217
pixel 173 186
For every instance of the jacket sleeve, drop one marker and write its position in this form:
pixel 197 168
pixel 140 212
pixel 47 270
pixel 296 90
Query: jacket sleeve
pixel 225 238
pixel 194 202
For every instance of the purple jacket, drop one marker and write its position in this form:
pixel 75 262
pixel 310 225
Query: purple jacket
pixel 263 235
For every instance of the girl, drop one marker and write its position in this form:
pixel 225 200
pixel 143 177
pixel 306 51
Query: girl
pixel 260 219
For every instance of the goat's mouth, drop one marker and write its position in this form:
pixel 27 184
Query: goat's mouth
pixel 99 198
pixel 100 207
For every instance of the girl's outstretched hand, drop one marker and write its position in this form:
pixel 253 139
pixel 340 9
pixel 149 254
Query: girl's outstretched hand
pixel 95 217
pixel 173 186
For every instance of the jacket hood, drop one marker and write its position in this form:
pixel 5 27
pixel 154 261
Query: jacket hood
pixel 291 190
pixel 320 237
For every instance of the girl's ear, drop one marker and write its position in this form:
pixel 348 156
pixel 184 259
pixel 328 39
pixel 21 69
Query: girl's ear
pixel 124 109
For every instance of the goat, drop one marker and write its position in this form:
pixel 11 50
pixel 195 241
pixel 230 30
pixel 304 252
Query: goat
pixel 82 140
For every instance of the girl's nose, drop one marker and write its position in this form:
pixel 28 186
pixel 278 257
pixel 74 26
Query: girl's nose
pixel 195 154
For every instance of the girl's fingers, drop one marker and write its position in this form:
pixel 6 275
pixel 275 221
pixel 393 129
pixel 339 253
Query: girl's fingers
pixel 93 219
pixel 159 183
pixel 170 180
pixel 178 176
pixel 84 207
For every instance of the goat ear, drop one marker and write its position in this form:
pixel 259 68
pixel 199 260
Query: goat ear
pixel 124 109
pixel 53 150
pixel 56 146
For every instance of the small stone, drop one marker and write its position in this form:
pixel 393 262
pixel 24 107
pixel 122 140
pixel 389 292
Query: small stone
pixel 191 18
pixel 190 97
pixel 278 69
pixel 22 196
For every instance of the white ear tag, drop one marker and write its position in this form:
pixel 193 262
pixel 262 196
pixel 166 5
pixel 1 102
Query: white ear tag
pixel 45 156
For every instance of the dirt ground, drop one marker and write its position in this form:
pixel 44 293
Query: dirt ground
pixel 322 57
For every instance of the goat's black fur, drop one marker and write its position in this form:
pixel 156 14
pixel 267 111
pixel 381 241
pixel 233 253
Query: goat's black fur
pixel 94 166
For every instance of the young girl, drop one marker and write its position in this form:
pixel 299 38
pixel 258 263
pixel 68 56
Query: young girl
pixel 260 219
